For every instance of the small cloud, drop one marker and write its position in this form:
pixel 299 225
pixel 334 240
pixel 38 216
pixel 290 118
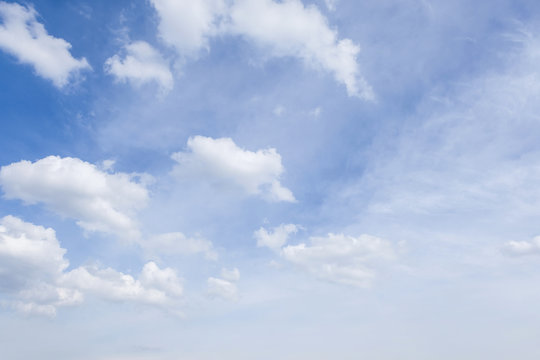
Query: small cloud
pixel 141 64
pixel 22 36
pixel 256 172
pixel 224 287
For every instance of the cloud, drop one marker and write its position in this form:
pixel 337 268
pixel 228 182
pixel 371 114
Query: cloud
pixel 141 64
pixel 224 287
pixel 154 286
pixel 176 243
pixel 276 238
pixel 289 28
pixel 517 248
pixel 337 258
pixel 258 173
pixel 99 201
pixel 281 29
pixel 22 36
pixel 33 275
pixel 187 25
pixel 340 258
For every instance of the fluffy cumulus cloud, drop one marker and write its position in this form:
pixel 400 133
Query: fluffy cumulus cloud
pixel 139 64
pixel 33 276
pixel 337 258
pixel 99 201
pixel 225 286
pixel 282 29
pixel 258 172
pixel 176 243
pixel 531 247
pixel 187 25
pixel 22 36
pixel 276 238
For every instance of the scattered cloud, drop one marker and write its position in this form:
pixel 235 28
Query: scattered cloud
pixel 224 287
pixel 176 243
pixel 289 28
pixel 281 29
pixel 76 189
pixel 22 36
pixel 258 173
pixel 140 64
pixel 275 238
pixel 33 275
pixel 340 258
pixel 337 258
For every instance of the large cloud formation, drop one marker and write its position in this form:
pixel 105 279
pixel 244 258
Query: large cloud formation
pixel 73 188
pixel 282 29
pixel 34 279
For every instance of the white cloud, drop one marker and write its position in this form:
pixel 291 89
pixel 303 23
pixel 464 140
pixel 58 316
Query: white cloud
pixel 76 189
pixel 155 286
pixel 176 243
pixel 276 238
pixel 282 29
pixel 258 173
pixel 141 64
pixel 22 36
pixel 224 287
pixel 531 247
pixel 33 275
pixel 187 25
pixel 337 258
pixel 289 28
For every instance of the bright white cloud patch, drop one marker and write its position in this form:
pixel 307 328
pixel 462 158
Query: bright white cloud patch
pixel 154 286
pixel 289 28
pixel 531 247
pixel 224 287
pixel 76 189
pixel 258 173
pixel 176 243
pixel 22 36
pixel 187 25
pixel 141 64
pixel 275 238
pixel 33 275
pixel 282 29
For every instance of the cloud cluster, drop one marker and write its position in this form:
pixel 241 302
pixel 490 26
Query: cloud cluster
pixel 22 36
pixel 140 64
pixel 281 29
pixel 33 275
pixel 73 188
pixel 336 257
pixel 258 173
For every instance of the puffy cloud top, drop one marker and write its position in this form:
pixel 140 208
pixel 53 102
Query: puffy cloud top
pixel 99 201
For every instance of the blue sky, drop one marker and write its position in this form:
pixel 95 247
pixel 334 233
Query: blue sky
pixel 262 179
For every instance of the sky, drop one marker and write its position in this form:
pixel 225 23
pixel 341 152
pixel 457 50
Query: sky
pixel 269 179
